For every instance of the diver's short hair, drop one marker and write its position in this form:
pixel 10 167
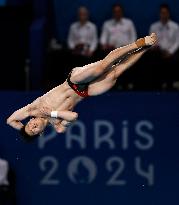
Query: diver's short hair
pixel 26 137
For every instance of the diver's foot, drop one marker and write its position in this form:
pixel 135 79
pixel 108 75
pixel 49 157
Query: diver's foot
pixel 150 40
pixel 147 41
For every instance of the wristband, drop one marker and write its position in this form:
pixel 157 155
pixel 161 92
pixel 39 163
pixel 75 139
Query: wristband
pixel 54 114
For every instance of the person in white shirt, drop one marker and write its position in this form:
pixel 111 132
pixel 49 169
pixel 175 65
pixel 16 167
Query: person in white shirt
pixel 7 183
pixel 167 32
pixel 118 31
pixel 165 54
pixel 4 183
pixel 82 38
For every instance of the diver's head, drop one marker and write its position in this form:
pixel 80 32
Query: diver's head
pixel 33 128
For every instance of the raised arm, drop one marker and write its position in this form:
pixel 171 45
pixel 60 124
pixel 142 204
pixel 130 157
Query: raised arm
pixel 28 111
pixel 15 119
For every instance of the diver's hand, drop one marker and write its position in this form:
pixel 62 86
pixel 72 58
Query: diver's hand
pixel 65 119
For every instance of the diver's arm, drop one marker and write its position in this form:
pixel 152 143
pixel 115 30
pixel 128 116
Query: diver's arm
pixel 15 119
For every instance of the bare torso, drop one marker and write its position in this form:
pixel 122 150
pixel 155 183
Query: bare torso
pixel 60 98
pixel 63 97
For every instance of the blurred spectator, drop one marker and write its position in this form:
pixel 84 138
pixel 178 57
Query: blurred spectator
pixel 54 44
pixel 4 183
pixel 167 32
pixel 82 39
pixel 4 167
pixel 118 31
pixel 7 184
pixel 164 55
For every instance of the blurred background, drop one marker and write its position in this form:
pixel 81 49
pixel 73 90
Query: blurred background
pixel 124 147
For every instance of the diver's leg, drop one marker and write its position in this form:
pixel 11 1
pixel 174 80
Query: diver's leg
pixel 121 53
pixel 93 71
pixel 119 69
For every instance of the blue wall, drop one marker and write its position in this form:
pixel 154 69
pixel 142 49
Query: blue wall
pixel 17 2
pixel 122 150
pixel 2 2
pixel 142 12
